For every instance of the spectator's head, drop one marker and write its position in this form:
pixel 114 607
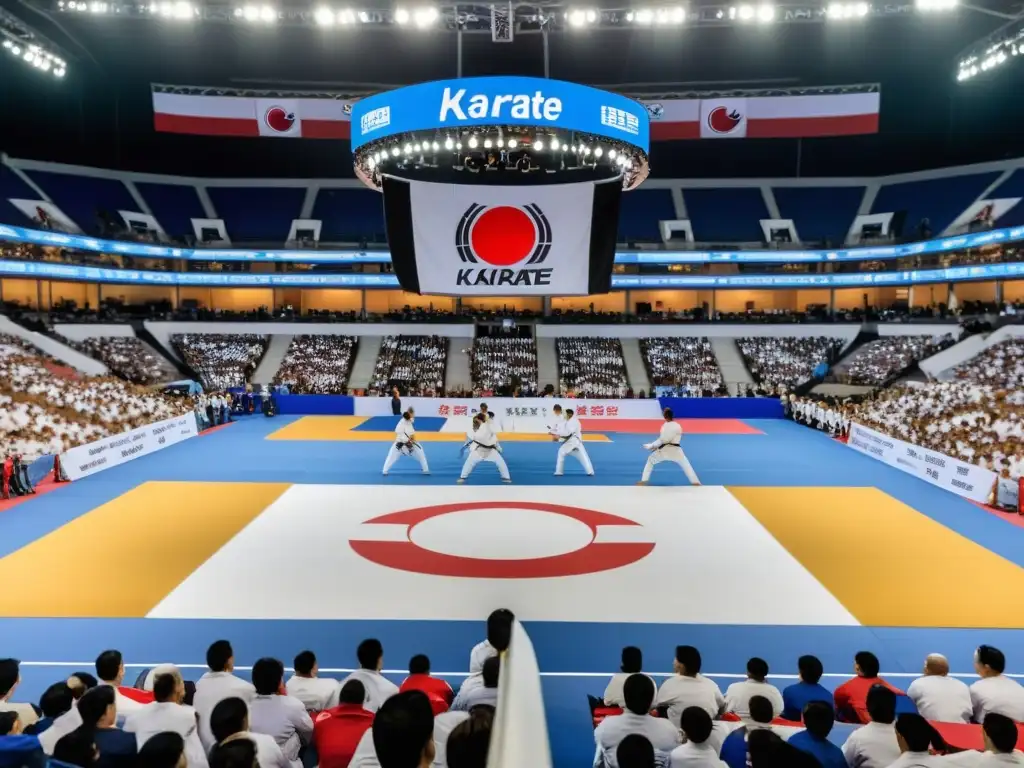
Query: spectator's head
pixel 989 661
pixel 305 664
pixel 936 664
pixel 667 413
pixel 371 655
pixel 220 657
pixel 236 753
pixel 696 724
pixel 499 629
pixel 819 718
pixel 881 703
pixel 768 750
pixel 638 693
pixel 403 731
pixel 110 667
pixel 757 669
pixel 635 751
pixel 10 724
pixel 407 416
pixel 229 717
pixel 268 676
pixel 419 665
pixel 914 733
pixel 98 707
pixel 169 687
pixel 761 710
pixel 492 666
pixel 632 660
pixel 56 700
pixel 865 664
pixel 569 413
pixel 352 692
pixel 80 682
pixel 77 747
pixel 10 676
pixel 483 409
pixel 468 744
pixel 1000 733
pixel 556 409
pixel 810 668
pixel 687 661
pixel 164 750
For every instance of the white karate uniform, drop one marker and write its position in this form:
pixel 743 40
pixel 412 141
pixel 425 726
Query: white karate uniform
pixel 485 448
pixel 211 689
pixel 160 717
pixel 405 432
pixel 666 448
pixel 570 435
pixel 942 698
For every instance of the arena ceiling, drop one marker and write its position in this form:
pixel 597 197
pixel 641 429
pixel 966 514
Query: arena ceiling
pixel 100 113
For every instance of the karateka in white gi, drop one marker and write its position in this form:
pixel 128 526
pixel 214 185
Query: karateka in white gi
pixel 668 448
pixel 406 444
pixel 483 445
pixel 568 433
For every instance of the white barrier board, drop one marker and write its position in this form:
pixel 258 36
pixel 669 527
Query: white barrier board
pixel 94 457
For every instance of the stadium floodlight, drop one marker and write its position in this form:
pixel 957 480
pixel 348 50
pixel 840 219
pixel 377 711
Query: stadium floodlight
pixel 554 145
pixel 324 17
pixel 611 154
pixel 435 146
pixel 449 144
pixel 268 15
pixel 472 142
pixel 580 17
pixel 598 152
pixel 402 16
pixel 766 14
pixel 664 16
pixel 372 163
pixel 488 144
pixel 501 143
pixel 458 146
pixel 424 17
pixel 743 13
pixel 408 149
pixel 512 143
pixel 364 17
pixel 538 145
pixel 396 152
pixel 346 17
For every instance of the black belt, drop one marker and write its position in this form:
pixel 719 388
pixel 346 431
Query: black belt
pixel 488 447
pixel 666 445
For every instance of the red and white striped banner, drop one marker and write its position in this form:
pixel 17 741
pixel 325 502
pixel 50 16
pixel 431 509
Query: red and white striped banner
pixel 752 117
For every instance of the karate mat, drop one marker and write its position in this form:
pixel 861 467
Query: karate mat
pixel 795 544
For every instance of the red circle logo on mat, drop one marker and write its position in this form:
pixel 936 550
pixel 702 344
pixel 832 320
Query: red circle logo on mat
pixel 503 235
pixel 591 558
pixel 722 120
pixel 279 119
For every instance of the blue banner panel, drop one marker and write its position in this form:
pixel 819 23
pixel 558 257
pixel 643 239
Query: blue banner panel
pixel 315 405
pixel 723 407
pixel 523 101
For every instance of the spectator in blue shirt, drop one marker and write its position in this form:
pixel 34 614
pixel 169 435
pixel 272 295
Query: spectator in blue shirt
pixel 55 701
pixel 819 719
pixel 16 749
pixel 799 695
pixel 735 747
pixel 98 709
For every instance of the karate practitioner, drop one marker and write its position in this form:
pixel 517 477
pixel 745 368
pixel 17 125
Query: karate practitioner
pixel 667 448
pixel 405 444
pixel 569 434
pixel 483 446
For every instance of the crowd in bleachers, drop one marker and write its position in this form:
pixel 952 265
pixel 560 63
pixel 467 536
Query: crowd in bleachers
pixel 878 361
pixel 416 364
pixel 591 367
pixel 685 363
pixel 1001 365
pixel 221 360
pixel 317 365
pixel 504 364
pixel 786 361
pixel 126 356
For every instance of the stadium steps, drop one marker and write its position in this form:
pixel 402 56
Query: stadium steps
pixel 56 349
pixel 636 371
pixel 366 358
pixel 143 334
pixel 271 362
pixel 547 364
pixel 730 362
pixel 458 373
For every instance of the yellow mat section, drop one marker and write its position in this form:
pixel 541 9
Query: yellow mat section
pixel 122 558
pixel 886 562
pixel 341 428
pixel 317 428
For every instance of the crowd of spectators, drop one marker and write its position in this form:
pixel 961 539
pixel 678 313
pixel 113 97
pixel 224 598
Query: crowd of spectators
pixel 504 364
pixel 415 364
pixel 591 367
pixel 786 361
pixel 126 356
pixel 1001 365
pixel 877 362
pixel 317 365
pixel 221 360
pixel 685 363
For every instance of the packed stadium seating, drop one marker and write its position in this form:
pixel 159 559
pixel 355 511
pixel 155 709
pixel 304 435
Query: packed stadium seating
pixel 592 367
pixel 504 363
pixel 786 362
pixel 415 364
pixel 221 360
pixel 317 365
pixel 127 357
pixel 878 361
pixel 1001 366
pixel 685 364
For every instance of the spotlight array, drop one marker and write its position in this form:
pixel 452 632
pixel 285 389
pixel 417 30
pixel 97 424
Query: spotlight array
pixel 35 56
pixel 843 11
pixel 581 17
pixel 646 17
pixel 993 57
pixel 257 14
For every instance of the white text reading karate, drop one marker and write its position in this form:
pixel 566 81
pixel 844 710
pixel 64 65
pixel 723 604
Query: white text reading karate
pixel 480 106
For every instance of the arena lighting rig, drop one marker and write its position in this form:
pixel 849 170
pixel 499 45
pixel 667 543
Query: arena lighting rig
pixel 23 43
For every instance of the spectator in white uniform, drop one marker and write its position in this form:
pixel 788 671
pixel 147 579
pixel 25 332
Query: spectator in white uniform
pixel 477 695
pixel 697 751
pixel 569 434
pixel 915 735
pixel 230 720
pixel 668 448
pixel 315 693
pixel 277 714
pixel 995 692
pixel 1000 737
pixel 639 693
pixel 738 695
pixel 10 677
pixel 688 688
pixel 406 444
pixel 483 446
pixel 371 661
pixel 499 636
pixel 110 671
pixel 874 745
pixel 63 723
pixel 938 696
pixel 216 685
pixel 169 713
pixel 632 663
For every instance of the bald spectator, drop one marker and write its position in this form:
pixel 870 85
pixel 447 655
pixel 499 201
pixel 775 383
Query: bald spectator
pixel 938 696
pixel 995 692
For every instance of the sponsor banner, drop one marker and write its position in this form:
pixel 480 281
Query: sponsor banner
pixel 117 449
pixel 508 409
pixel 967 480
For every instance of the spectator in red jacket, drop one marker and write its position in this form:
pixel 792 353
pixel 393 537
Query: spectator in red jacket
pixel 337 730
pixel 852 696
pixel 419 679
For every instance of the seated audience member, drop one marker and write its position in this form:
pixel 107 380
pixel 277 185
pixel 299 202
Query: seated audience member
pixel 734 748
pixel 371 661
pixel 635 751
pixel 447 722
pixel 55 701
pixel 98 709
pixel 874 745
pixel 77 748
pixel 110 671
pixel 499 635
pixel 698 751
pixel 995 692
pixel 216 685
pixel 915 735
pixel 315 693
pixel 938 696
pixel 851 696
pixel 1000 735
pixel 470 741
pixel 276 714
pixel 230 720
pixel 234 753
pixel 797 696
pixel 632 663
pixel 769 750
pixel 10 724
pixel 402 735
pixel 165 750
pixel 66 717
pixel 168 713
pixel 80 682
pixel 738 695
pixel 337 730
pixel 638 693
pixel 419 679
pixel 17 749
pixel 487 694
pixel 818 721
pixel 10 676
pixel 688 688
